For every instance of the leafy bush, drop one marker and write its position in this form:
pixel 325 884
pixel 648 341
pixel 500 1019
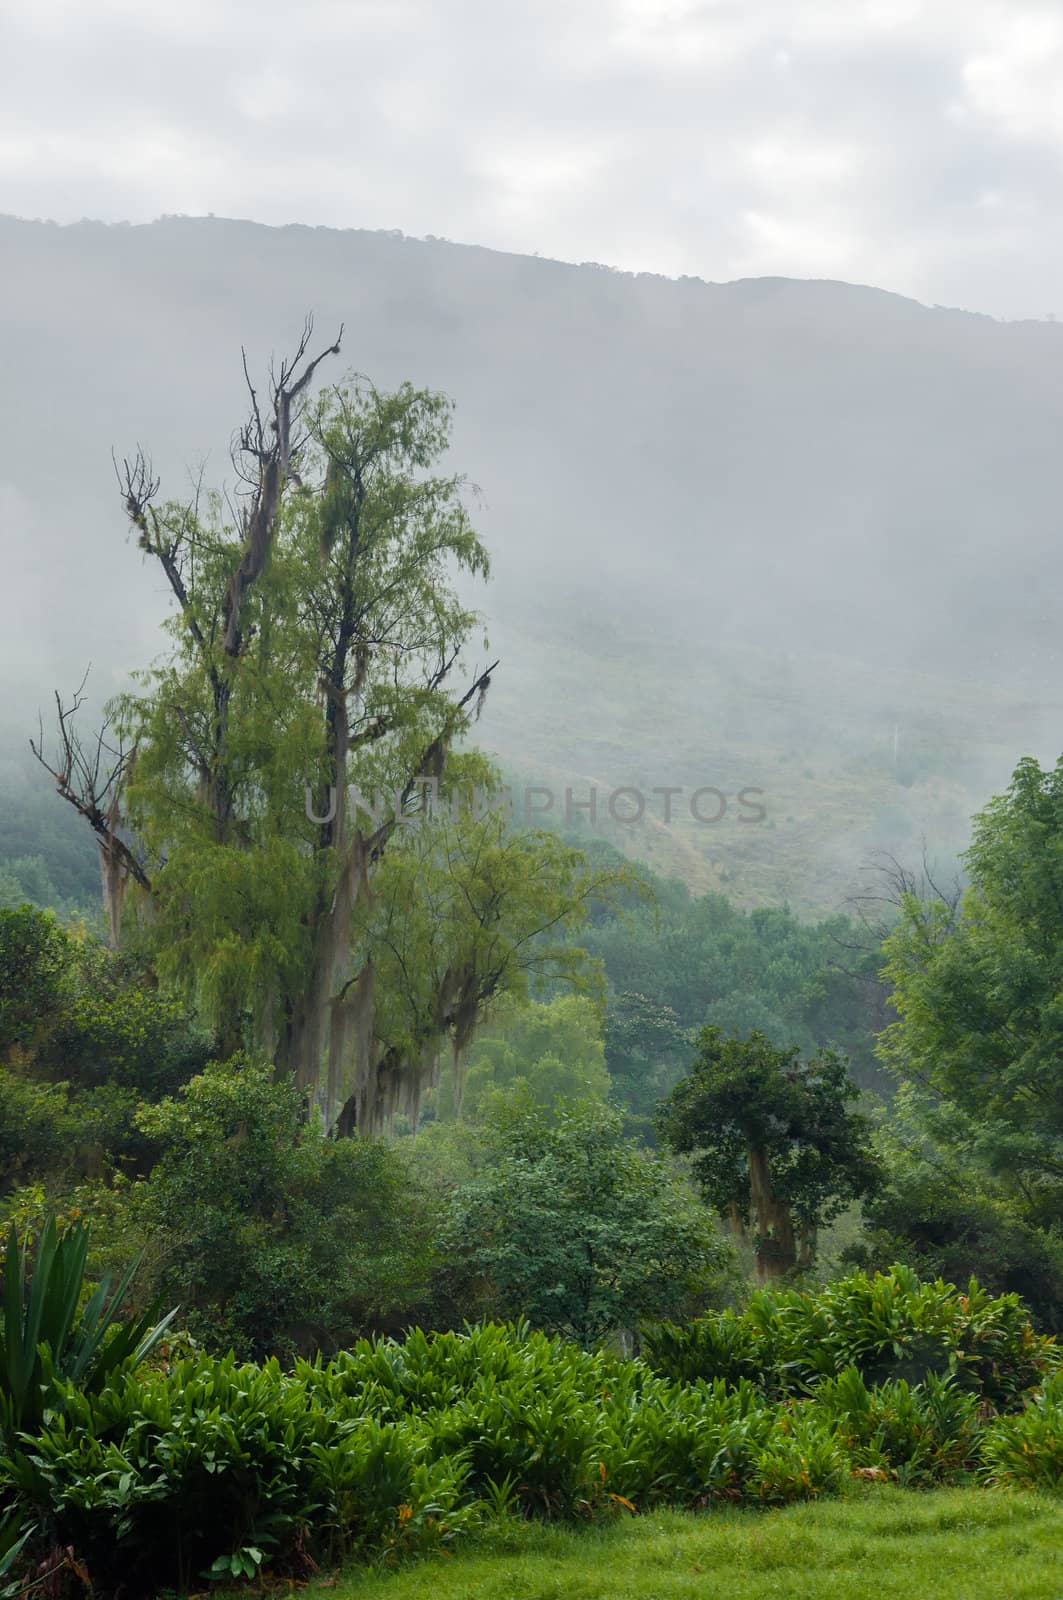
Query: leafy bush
pixel 579 1229
pixel 85 1035
pixel 1026 1451
pixel 679 1445
pixel 209 1468
pixel 289 1241
pixel 921 1434
pixel 889 1326
pixel 215 1466
pixel 157 1478
pixel 941 1211
pixel 802 1460
pixel 723 1345
pixel 517 1405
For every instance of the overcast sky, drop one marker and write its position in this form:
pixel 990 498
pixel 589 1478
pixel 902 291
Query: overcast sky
pixel 912 144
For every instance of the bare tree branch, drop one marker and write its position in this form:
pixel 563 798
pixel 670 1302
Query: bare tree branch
pixel 89 776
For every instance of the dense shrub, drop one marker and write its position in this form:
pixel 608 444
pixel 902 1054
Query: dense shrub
pixel 217 1468
pixel 692 1445
pixel 1026 1451
pixel 889 1326
pixel 574 1226
pixel 946 1219
pixel 167 1477
pixel 289 1241
pixel 211 1468
pixel 85 1037
pixel 921 1434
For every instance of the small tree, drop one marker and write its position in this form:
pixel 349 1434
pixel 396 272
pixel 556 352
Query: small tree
pixel 577 1229
pixel 289 1242
pixel 774 1142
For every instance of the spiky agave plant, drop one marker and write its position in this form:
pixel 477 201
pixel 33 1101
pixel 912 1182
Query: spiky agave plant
pixel 48 1337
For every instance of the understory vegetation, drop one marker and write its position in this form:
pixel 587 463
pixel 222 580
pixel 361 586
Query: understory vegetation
pixel 165 1468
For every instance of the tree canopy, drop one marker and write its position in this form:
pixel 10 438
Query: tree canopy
pixel 773 1141
pixel 974 1154
pixel 576 1228
pixel 979 985
pixel 249 789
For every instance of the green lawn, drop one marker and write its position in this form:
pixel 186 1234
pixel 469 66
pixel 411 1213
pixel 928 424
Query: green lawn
pixel 887 1544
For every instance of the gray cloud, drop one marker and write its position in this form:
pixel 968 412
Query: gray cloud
pixel 915 144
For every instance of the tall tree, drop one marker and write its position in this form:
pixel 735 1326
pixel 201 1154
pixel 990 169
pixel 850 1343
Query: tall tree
pixel 316 636
pixel 774 1141
pixel 977 983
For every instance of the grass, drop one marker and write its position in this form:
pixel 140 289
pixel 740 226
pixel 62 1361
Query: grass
pixel 887 1544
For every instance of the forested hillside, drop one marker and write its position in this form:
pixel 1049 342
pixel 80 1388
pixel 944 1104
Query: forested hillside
pixel 767 534
pixel 401 1141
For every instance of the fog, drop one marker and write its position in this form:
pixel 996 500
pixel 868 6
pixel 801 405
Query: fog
pixel 753 528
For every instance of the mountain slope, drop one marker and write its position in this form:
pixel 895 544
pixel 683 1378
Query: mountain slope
pixel 800 537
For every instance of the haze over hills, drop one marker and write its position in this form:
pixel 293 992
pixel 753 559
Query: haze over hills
pixel 768 534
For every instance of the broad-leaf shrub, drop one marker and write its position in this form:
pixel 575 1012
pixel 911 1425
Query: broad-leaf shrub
pixel 1026 1451
pixel 163 1477
pixel 211 1469
pixel 889 1326
pixel 921 1434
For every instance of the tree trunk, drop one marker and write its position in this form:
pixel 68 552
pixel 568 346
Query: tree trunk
pixel 776 1246
pixel 737 1222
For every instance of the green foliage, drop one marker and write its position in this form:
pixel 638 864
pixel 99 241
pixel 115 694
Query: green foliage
pixel 470 912
pixel 302 718
pixel 682 961
pixel 577 1229
pixel 215 1469
pixel 647 1051
pixel 13 1540
pixel 288 1241
pixel 546 1051
pixel 33 958
pixel 38 1126
pixel 974 986
pixel 722 1347
pixel 980 1027
pixel 772 1140
pixel 705 1443
pixel 359 580
pixel 921 1434
pixel 938 1209
pixel 888 1327
pixel 165 1478
pixel 50 1333
pixel 1026 1451
pixel 85 1036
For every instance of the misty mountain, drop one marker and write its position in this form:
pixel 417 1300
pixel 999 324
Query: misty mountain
pixel 797 536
